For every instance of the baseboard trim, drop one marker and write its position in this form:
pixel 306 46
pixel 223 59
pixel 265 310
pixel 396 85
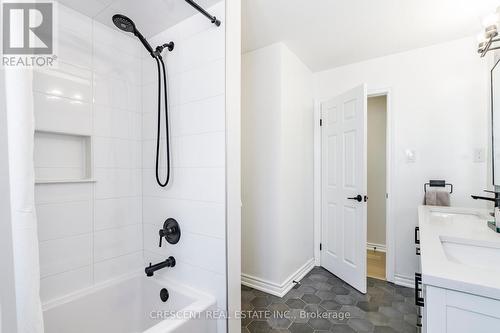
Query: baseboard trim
pixel 274 288
pixel 379 247
pixel 405 281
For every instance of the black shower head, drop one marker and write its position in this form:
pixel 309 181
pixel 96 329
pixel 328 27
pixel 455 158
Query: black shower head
pixel 124 23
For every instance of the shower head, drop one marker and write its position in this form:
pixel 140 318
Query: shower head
pixel 124 23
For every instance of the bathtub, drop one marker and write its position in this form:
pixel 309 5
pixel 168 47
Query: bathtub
pixel 129 305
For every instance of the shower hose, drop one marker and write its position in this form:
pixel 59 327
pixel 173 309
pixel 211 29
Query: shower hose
pixel 158 133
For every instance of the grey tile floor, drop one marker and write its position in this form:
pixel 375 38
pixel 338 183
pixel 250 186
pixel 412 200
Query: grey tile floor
pixel 324 303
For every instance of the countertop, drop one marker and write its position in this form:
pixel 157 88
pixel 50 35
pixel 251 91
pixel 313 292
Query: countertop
pixel 479 275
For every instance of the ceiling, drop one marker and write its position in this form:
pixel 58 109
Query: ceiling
pixel 150 17
pixel 331 33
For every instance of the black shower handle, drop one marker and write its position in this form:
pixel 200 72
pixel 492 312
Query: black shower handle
pixel 170 231
pixel 167 231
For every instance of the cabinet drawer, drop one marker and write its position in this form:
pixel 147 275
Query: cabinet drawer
pixel 455 312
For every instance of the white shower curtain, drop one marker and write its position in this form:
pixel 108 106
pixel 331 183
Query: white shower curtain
pixel 20 124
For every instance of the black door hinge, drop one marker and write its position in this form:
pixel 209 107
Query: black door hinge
pixel 321 122
pixel 320 246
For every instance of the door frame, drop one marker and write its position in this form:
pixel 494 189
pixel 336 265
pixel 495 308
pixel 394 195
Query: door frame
pixel 232 26
pixel 389 225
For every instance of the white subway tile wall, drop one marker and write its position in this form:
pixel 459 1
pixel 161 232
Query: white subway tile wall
pixel 106 88
pixel 90 232
pixel 196 195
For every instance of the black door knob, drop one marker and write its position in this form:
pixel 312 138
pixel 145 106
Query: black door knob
pixel 358 198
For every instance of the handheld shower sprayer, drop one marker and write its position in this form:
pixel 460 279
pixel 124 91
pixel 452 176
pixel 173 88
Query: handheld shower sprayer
pixel 124 23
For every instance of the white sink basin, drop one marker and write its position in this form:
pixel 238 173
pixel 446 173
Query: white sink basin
pixel 480 255
pixel 459 251
pixel 441 214
pixel 453 217
pixel 473 222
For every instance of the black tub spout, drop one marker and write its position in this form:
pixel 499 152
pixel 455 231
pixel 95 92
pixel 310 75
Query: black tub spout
pixel 151 269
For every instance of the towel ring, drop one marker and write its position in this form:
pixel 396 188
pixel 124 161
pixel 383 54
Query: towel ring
pixel 438 183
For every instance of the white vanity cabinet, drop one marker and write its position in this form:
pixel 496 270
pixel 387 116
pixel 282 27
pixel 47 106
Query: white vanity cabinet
pixel 458 286
pixel 449 311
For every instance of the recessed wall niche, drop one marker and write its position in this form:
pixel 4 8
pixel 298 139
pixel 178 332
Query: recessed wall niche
pixel 61 157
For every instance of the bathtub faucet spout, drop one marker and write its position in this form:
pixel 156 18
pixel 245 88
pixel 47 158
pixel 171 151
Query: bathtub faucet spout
pixel 151 269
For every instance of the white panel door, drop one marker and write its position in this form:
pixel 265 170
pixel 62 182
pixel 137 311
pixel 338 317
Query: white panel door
pixel 343 186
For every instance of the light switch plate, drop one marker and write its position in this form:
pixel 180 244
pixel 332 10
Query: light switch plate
pixel 410 156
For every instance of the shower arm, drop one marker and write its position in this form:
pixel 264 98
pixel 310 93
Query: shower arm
pixel 212 19
pixel 159 49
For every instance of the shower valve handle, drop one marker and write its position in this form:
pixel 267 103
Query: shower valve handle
pixel 166 232
pixel 170 231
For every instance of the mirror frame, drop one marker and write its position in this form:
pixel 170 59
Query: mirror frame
pixel 492 122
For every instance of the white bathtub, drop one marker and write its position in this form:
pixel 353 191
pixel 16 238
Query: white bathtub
pixel 130 305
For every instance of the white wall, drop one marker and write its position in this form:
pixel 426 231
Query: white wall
pixel 90 232
pixel 376 151
pixel 277 162
pixel 296 163
pixel 260 154
pixel 439 110
pixel 196 195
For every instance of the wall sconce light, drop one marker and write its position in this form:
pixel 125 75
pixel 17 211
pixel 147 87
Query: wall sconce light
pixel 489 36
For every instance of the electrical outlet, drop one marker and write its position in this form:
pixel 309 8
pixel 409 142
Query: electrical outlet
pixel 479 155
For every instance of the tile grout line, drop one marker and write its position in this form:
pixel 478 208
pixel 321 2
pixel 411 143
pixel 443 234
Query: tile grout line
pixel 92 264
pixel 91 232
pixel 187 262
pixel 191 233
